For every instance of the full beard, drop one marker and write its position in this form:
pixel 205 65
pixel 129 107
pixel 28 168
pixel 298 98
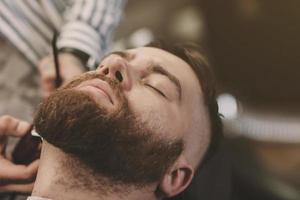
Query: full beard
pixel 113 144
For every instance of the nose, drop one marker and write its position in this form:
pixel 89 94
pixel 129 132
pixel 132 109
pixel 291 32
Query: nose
pixel 117 68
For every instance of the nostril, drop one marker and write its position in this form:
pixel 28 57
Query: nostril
pixel 119 76
pixel 105 71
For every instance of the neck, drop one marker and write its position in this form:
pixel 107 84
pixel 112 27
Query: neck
pixel 57 180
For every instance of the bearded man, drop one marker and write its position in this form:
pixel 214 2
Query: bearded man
pixel 138 127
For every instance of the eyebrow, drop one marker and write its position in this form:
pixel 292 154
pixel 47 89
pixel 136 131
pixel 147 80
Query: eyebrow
pixel 156 68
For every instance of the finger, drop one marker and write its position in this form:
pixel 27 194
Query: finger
pixel 20 188
pixel 48 84
pixel 47 80
pixel 3 141
pixel 47 74
pixel 48 88
pixel 11 126
pixel 11 171
pixel 45 63
pixel 47 71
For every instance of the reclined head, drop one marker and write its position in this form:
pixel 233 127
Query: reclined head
pixel 146 117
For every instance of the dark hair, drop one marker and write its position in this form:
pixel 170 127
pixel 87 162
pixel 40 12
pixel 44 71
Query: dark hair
pixel 195 57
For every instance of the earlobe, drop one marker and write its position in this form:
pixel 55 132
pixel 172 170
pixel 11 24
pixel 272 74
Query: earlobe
pixel 177 178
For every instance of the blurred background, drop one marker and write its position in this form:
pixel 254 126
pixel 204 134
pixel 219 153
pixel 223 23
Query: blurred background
pixel 254 48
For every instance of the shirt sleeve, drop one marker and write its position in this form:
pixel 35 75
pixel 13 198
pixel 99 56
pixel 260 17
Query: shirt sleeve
pixel 89 26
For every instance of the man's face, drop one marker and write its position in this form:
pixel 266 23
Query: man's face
pixel 161 89
pixel 130 118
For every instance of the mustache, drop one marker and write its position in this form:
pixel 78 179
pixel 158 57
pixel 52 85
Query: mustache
pixel 113 83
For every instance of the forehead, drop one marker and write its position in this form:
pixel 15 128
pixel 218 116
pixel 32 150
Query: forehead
pixel 168 60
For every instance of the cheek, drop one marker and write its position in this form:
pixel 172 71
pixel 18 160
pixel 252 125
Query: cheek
pixel 159 114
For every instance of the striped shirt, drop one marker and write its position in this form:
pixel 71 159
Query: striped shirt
pixel 86 25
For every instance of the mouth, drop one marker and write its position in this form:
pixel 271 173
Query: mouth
pixel 97 86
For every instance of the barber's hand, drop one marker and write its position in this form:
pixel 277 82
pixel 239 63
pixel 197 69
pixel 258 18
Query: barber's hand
pixel 14 178
pixel 70 66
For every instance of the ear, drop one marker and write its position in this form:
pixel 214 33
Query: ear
pixel 177 178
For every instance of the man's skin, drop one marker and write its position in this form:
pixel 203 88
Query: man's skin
pixel 173 103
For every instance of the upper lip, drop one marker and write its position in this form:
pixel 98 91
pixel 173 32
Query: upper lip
pixel 100 84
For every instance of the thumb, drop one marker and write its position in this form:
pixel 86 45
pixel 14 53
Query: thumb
pixel 11 126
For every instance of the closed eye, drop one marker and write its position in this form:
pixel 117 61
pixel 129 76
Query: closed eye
pixel 157 90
